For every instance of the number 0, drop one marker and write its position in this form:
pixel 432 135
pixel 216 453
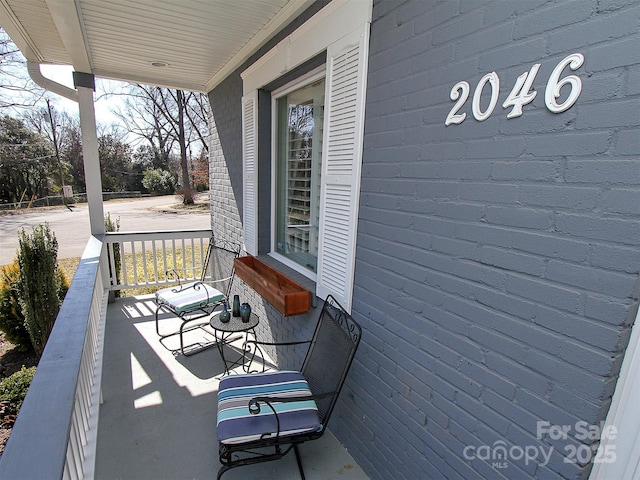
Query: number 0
pixel 494 81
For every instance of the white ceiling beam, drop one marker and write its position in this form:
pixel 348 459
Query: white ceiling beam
pixel 71 31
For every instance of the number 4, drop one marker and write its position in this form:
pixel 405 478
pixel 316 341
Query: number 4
pixel 520 95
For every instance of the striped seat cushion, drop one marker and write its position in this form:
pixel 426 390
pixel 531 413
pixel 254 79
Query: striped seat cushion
pixel 237 425
pixel 184 298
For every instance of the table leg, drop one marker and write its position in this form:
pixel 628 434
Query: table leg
pixel 224 338
pixel 220 343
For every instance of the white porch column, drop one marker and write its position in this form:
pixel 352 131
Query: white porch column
pixel 85 84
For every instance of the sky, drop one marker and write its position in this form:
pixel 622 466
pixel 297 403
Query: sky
pixel 64 74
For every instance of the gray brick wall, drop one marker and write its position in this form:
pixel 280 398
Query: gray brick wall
pixel 497 261
pixel 225 177
pixel 225 217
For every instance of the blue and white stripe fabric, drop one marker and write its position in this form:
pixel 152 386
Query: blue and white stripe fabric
pixel 184 298
pixel 237 425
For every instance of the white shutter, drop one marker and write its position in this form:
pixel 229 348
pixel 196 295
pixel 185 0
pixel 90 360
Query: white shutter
pixel 250 172
pixel 341 164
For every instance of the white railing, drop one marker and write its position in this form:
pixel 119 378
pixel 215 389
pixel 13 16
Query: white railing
pixel 81 449
pixel 55 434
pixel 145 257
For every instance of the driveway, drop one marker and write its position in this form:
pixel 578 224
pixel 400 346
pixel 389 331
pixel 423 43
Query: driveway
pixel 72 228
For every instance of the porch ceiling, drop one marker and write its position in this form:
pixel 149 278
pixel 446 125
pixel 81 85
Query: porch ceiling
pixel 195 42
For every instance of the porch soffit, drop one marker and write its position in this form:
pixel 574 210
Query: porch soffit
pixel 198 42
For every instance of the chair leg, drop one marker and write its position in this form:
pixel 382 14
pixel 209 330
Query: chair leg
pixel 161 335
pixel 181 339
pixel 222 470
pixel 227 464
pixel 157 325
pixel 179 332
pixel 295 449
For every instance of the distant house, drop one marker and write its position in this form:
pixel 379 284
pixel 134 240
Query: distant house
pixel 464 176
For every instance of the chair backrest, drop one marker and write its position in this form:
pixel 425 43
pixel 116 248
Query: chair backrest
pixel 219 265
pixel 330 355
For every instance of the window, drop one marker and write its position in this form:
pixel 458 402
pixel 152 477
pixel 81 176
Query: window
pixel 316 148
pixel 298 132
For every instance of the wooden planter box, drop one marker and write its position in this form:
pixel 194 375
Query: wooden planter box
pixel 288 297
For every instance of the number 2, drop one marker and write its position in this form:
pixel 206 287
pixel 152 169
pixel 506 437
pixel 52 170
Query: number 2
pixel 460 92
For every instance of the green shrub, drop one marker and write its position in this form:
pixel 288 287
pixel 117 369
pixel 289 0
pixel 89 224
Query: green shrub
pixel 11 317
pixel 62 283
pixel 159 182
pixel 14 388
pixel 42 284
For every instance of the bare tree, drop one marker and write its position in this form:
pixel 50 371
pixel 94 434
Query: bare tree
pixel 17 90
pixel 57 126
pixel 172 121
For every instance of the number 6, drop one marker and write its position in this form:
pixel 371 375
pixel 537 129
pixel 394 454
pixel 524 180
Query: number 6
pixel 554 85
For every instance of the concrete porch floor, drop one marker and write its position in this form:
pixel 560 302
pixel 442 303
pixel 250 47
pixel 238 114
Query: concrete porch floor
pixel 158 416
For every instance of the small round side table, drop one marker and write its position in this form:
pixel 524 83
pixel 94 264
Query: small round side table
pixel 224 331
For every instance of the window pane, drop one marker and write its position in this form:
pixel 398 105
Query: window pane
pixel 299 136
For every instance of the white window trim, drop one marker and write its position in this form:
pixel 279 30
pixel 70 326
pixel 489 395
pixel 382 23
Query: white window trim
pixel 338 19
pixel 305 79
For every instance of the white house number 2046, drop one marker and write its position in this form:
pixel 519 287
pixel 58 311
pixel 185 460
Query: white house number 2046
pixel 521 93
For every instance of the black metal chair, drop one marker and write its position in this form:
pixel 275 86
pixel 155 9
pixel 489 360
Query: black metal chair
pixel 198 299
pixel 263 416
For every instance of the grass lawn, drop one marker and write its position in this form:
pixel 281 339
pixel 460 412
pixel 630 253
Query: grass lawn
pixel 189 261
pixel 69 265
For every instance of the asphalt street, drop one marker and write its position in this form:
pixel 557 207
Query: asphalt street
pixel 72 228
